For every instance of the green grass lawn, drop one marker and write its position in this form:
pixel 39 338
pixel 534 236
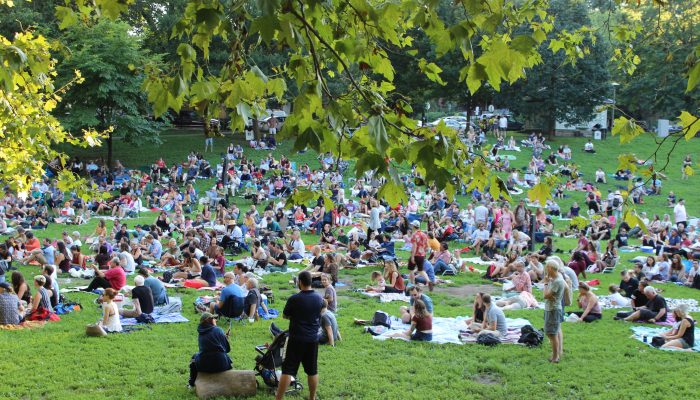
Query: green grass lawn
pixel 600 360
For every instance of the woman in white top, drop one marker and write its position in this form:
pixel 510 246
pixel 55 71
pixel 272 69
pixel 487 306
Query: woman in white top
pixel 110 313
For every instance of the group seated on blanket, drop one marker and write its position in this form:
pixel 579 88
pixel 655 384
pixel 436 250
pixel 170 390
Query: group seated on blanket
pixel 654 309
pixel 494 321
pixel 390 281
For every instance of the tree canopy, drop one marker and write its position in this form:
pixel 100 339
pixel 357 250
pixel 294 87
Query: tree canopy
pixel 334 65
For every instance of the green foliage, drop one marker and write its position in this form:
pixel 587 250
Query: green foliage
pixel 111 95
pixel 627 129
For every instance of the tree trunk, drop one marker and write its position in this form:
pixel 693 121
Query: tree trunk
pixel 256 130
pixel 109 152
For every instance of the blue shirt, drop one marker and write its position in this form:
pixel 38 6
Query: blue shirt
pixel 304 312
pixel 160 296
pixel 49 252
pixel 427 300
pixel 231 290
pixel 429 270
pixel 208 274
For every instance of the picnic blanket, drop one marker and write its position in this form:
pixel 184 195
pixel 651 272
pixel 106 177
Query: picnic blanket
pixel 475 260
pixel 388 297
pixel 169 313
pixel 452 330
pixel 639 332
pixel 605 303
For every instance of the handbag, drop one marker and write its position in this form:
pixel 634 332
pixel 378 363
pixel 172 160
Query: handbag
pixel 658 341
pixel 95 330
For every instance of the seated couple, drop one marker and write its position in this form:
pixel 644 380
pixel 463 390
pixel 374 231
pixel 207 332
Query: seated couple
pixel 419 316
pixel 494 321
pixel 234 302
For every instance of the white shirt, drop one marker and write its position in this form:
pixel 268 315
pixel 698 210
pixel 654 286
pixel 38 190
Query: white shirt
pixel 482 234
pixel 503 123
pixel 481 213
pixel 374 222
pixel 298 246
pixel 127 261
pixel 679 213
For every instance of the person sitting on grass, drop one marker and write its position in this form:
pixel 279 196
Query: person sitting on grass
pixel 394 280
pixel 415 293
pixel 424 274
pixel 377 279
pixel 494 319
pixel 230 290
pixel 478 310
pixel 110 321
pixel 421 324
pixel 329 294
pixel 213 349
pixel 11 310
pixel 142 299
pixel 160 295
pixel 329 333
pixel 588 302
pixel 190 267
pixel 654 311
pixel 277 261
pixel 114 277
pixel 682 336
pixel 252 300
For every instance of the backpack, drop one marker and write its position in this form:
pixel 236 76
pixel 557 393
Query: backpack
pixel 488 339
pixel 530 336
pixel 616 202
pixel 381 318
pixel 568 294
pixel 696 281
pixel 145 319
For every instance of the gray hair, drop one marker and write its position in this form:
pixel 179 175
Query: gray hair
pixel 649 290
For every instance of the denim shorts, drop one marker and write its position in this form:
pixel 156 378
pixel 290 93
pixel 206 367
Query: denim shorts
pixel 552 321
pixel 422 337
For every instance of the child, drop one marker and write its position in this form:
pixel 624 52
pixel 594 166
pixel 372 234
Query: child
pixel 377 277
pixel 329 295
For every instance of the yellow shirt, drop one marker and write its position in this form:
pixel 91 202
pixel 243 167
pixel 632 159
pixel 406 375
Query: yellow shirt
pixel 434 244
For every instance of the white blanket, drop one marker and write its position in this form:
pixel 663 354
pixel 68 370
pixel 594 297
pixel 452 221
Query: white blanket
pixel 387 297
pixel 445 330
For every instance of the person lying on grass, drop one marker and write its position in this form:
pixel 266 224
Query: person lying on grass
pixel 415 293
pixel 421 328
pixel 682 336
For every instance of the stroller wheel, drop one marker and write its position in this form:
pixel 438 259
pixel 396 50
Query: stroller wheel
pixel 295 387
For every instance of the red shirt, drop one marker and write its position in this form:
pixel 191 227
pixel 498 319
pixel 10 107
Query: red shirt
pixel 116 277
pixel 423 323
pixel 32 244
pixel 419 241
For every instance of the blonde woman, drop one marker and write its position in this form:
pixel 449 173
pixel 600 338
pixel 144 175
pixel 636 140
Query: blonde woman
pixel 682 336
pixel 392 277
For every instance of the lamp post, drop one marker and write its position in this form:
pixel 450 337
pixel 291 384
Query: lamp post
pixel 612 122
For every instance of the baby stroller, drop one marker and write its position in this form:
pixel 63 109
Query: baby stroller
pixel 269 359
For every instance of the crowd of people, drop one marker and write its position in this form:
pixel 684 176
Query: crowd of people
pixel 194 235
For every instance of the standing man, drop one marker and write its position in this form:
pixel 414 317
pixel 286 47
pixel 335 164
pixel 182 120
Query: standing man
pixel 303 310
pixel 419 246
pixel 553 310
pixel 679 214
pixel 272 125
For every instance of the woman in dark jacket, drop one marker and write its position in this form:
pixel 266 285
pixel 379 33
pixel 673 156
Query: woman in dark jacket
pixel 213 349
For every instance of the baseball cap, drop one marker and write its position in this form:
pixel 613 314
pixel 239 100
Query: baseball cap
pixel 207 316
pixel 5 285
pixel 415 223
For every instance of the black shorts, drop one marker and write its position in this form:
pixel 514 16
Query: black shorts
pixel 302 353
pixel 418 261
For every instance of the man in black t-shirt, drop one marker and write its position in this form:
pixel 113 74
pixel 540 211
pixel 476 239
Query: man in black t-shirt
pixel 655 310
pixel 304 313
pixel 142 298
pixel 629 284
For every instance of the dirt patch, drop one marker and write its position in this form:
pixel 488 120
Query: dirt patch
pixel 468 290
pixel 487 379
